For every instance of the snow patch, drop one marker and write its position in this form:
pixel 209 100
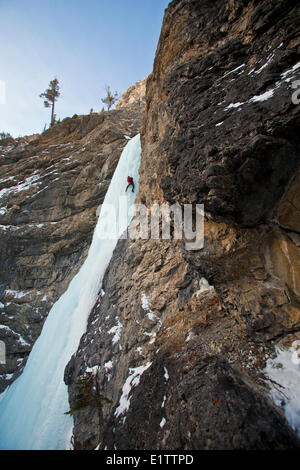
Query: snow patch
pixel 108 366
pixel 284 373
pixel 131 382
pixel 30 181
pixel 233 71
pixel 269 60
pixel 203 286
pixel 145 302
pixel 190 336
pixel 265 96
pixel 153 335
pixel 7 376
pixel 16 294
pixel 146 306
pixel 163 422
pixel 293 69
pixel 92 370
pixel 3 211
pixel 151 315
pixel 233 105
pixel 20 338
pixel 116 331
pixel 22 341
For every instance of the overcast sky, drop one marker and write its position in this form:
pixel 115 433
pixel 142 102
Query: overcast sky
pixel 85 44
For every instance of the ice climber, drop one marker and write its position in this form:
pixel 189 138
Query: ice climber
pixel 130 183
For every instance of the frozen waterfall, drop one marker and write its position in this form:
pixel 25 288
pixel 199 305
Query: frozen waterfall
pixel 32 409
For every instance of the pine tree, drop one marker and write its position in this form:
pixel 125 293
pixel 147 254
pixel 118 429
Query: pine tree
pixel 5 135
pixel 51 95
pixel 110 98
pixel 88 394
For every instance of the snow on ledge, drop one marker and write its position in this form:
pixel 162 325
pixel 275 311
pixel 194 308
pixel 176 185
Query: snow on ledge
pixel 163 422
pixel 204 286
pixel 132 381
pixel 147 308
pixel 116 331
pixel 263 97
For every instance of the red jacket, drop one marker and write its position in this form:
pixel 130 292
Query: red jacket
pixel 129 179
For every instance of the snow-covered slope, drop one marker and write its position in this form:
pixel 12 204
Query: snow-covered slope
pixel 32 410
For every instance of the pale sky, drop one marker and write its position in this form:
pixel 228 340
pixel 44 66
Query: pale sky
pixel 85 44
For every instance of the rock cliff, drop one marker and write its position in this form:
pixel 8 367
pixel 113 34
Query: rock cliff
pixel 178 339
pixel 135 94
pixel 51 187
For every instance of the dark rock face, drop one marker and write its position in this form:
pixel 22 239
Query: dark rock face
pixel 253 148
pixel 180 338
pixel 51 187
pixel 209 407
pixel 184 397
